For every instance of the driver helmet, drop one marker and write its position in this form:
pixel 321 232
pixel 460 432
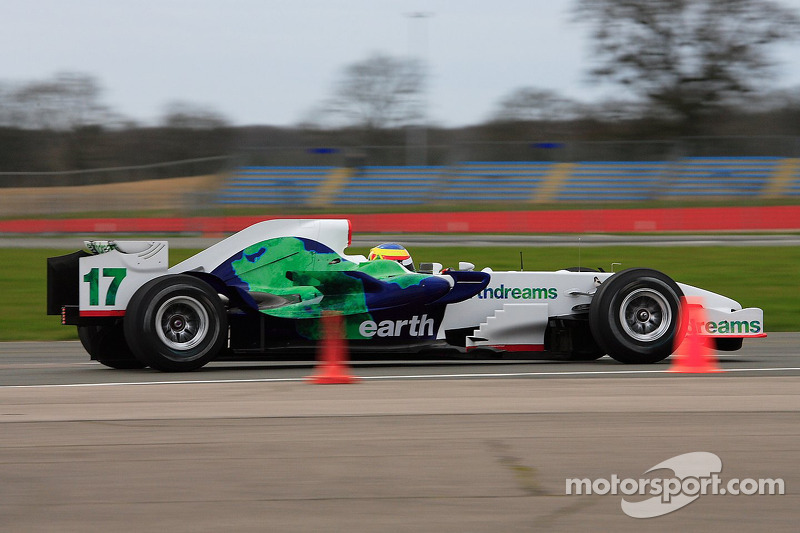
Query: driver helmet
pixel 393 252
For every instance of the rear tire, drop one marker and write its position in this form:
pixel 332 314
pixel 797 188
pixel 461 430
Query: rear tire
pixel 106 345
pixel 635 316
pixel 176 323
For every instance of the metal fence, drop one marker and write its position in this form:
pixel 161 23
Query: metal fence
pixel 544 150
pixel 97 176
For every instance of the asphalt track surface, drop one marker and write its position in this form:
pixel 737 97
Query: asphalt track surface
pixel 422 446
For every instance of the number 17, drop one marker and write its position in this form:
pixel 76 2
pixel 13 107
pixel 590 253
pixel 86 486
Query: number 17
pixel 93 279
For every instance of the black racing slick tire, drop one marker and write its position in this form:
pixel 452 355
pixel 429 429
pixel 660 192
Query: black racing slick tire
pixel 176 323
pixel 106 345
pixel 635 316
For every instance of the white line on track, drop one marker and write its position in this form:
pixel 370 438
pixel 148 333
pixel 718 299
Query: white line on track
pixel 592 373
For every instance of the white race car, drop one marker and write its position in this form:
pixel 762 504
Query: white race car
pixel 264 290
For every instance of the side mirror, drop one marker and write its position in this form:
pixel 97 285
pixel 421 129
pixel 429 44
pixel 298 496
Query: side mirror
pixel 430 268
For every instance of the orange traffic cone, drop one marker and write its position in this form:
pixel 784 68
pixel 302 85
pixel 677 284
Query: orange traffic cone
pixel 332 355
pixel 696 355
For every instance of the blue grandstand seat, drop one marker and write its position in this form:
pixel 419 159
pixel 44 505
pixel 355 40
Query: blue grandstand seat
pixel 272 185
pixel 612 181
pixel 504 181
pixel 390 185
pixel 721 176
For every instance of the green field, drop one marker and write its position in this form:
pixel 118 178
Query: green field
pixel 766 277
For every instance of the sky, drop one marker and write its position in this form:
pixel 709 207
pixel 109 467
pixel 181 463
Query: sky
pixel 271 62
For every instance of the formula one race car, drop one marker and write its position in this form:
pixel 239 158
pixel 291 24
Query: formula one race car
pixel 265 290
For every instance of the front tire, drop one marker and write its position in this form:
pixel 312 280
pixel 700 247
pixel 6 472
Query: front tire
pixel 635 316
pixel 176 323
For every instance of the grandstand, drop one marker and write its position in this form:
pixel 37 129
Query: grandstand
pixel 461 185
pixel 514 182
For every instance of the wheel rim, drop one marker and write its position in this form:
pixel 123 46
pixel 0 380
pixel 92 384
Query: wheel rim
pixel 645 315
pixel 181 323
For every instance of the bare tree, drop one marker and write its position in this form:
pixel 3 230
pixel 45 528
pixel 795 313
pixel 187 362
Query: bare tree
pixel 186 115
pixel 532 104
pixel 379 92
pixel 686 57
pixel 66 102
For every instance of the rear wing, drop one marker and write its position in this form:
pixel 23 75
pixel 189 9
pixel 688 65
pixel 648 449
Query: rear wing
pixel 101 282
